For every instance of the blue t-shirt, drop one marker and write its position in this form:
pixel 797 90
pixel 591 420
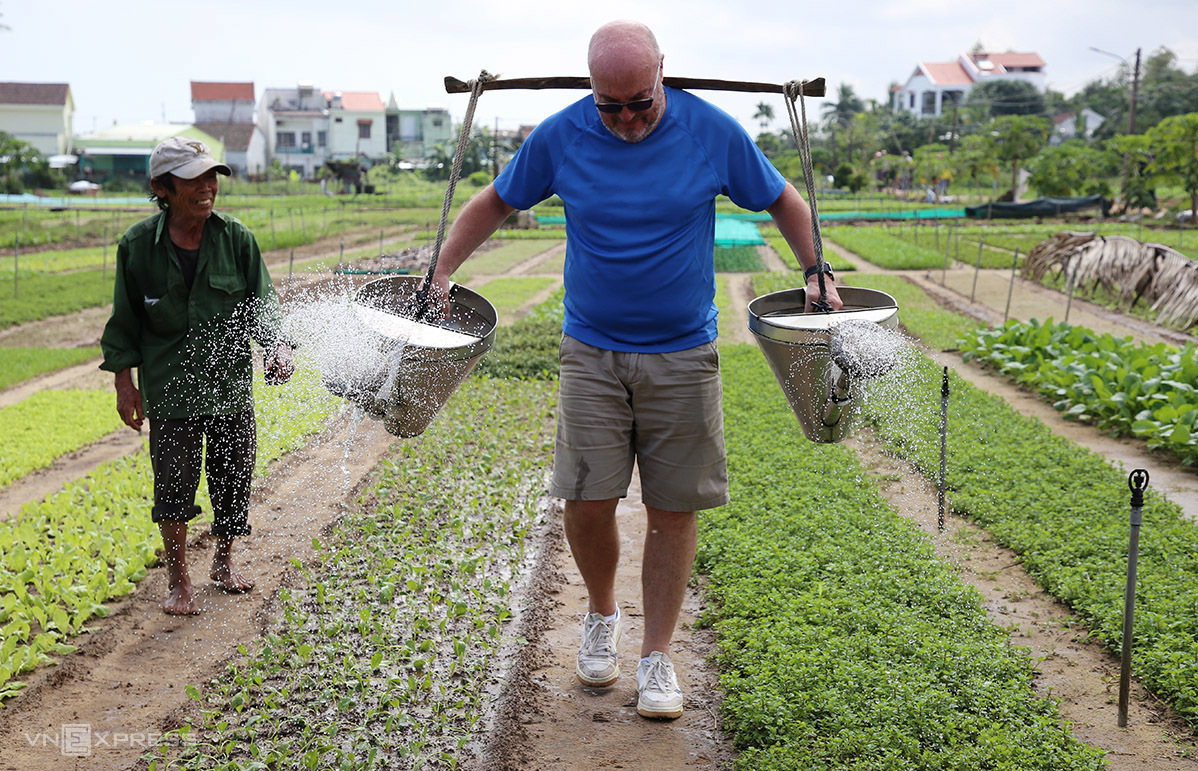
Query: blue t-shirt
pixel 640 217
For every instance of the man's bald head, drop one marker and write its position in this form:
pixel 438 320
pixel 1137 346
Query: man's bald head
pixel 621 45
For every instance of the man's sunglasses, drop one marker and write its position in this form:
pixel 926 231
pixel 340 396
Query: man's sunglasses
pixel 636 105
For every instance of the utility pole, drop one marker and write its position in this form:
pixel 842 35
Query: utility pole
pixel 1135 88
pixel 1135 85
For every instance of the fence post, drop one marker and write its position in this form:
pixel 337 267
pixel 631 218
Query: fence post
pixel 16 265
pixel 1137 481
pixel 274 242
pixel 380 242
pixel 977 268
pixel 1011 288
pixel 104 264
pixel 947 253
pixel 943 452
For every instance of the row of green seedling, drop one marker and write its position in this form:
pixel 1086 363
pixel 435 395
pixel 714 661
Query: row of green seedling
pixel 22 363
pixel 1064 510
pixel 46 425
pixel 63 558
pixel 1118 385
pixel 385 653
pixel 884 250
pixel 843 641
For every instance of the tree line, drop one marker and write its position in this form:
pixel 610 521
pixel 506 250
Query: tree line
pixel 1003 127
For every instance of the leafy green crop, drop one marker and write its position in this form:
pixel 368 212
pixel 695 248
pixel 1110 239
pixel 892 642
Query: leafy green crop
pixel 387 641
pixel 737 259
pixel 884 250
pixel 843 641
pixel 48 424
pixel 780 245
pixel 20 364
pixel 62 558
pixel 528 348
pixel 507 294
pixel 39 296
pixel 1126 387
pixel 1064 511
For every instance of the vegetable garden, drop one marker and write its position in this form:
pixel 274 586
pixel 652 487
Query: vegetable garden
pixel 842 639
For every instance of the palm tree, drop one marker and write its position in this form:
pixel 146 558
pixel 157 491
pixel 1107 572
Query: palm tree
pixel 765 113
pixel 841 114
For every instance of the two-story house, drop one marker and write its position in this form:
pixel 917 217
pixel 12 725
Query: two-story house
pixel 417 131
pixel 41 114
pixel 226 111
pixel 934 87
pixel 304 126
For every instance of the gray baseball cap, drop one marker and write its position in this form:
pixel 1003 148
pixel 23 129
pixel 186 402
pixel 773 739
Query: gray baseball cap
pixel 185 157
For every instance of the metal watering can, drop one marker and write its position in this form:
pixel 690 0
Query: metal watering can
pixel 424 360
pixel 823 359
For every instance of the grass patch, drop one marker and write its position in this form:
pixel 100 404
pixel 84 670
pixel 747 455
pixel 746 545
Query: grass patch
pixel 528 349
pixel 501 259
pixel 782 247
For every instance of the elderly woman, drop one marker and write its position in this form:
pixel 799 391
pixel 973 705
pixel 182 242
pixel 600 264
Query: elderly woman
pixel 191 290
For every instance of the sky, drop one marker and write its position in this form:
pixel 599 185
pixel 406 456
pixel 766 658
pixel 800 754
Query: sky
pixel 131 61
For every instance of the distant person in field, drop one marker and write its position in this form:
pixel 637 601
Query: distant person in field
pixel 638 166
pixel 191 290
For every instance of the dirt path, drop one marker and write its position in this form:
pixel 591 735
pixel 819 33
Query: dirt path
pixel 127 679
pixel 551 722
pixel 735 329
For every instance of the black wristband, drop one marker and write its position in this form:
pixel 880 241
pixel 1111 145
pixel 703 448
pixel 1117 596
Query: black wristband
pixel 809 272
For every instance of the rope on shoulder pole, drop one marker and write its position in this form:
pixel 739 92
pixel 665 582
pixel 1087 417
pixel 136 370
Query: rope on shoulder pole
pixel 793 90
pixel 476 89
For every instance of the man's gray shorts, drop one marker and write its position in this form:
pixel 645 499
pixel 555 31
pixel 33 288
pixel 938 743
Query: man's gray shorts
pixel 662 411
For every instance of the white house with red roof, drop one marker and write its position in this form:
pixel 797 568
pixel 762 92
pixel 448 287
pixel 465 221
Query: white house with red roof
pixel 935 87
pixel 226 111
pixel 357 124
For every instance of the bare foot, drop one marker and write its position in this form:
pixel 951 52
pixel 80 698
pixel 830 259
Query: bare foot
pixel 227 578
pixel 180 603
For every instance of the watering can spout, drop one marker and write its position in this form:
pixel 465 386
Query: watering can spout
pixel 822 360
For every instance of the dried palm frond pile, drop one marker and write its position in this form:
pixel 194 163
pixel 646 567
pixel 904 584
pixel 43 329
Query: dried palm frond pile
pixel 1124 267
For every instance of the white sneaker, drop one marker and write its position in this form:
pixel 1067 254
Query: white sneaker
pixel 597 665
pixel 658 692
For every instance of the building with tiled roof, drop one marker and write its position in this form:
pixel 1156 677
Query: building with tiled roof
pixel 41 114
pixel 226 111
pixel 934 87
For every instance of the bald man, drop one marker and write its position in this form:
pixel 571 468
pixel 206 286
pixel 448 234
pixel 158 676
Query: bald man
pixel 638 167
